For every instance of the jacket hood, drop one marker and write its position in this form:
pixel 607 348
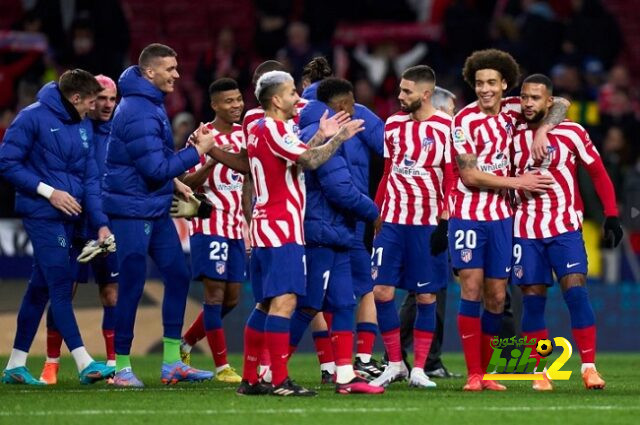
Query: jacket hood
pixel 312 112
pixel 311 92
pixel 132 83
pixel 50 96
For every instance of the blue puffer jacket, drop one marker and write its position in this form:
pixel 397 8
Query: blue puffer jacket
pixel 334 203
pixel 359 153
pixel 141 162
pixel 48 142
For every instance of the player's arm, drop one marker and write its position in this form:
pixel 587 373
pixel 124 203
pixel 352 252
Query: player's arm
pixel 199 177
pixel 314 157
pixel 236 161
pixel 472 176
pixel 247 197
pixel 557 113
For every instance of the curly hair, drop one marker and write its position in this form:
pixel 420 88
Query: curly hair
pixel 494 59
pixel 316 70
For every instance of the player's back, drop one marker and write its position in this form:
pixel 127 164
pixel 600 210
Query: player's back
pixel 279 184
pixel 418 151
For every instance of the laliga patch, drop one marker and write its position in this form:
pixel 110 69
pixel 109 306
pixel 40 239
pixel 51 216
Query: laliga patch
pixel 288 140
pixel 221 266
pixel 458 135
pixel 518 271
pixel 466 255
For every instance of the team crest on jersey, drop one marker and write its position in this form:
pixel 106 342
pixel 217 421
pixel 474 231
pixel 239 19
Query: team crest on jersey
pixel 466 255
pixel 427 143
pixel 147 228
pixel 296 129
pixel 458 135
pixel 509 128
pixel 374 272
pixel 518 271
pixel 221 266
pixel 62 241
pixel 84 137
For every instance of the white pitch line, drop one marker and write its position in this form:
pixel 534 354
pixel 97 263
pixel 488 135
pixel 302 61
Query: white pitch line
pixel 305 411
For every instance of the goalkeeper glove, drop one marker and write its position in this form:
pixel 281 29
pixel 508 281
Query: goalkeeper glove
pixel 94 248
pixel 197 206
pixel 612 232
pixel 439 239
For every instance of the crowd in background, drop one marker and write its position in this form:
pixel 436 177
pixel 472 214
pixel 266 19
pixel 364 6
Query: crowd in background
pixel 578 43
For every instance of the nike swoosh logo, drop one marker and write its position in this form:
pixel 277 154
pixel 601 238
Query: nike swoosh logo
pixel 508 269
pixel 586 351
pixel 467 336
pixel 114 274
pixel 284 356
pixel 53 130
pixel 221 353
pixel 421 284
pixel 570 265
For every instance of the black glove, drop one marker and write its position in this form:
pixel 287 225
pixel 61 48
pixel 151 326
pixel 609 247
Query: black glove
pixel 439 239
pixel 205 208
pixel 612 232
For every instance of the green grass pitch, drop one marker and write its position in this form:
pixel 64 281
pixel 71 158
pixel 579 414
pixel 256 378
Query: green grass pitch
pixel 216 403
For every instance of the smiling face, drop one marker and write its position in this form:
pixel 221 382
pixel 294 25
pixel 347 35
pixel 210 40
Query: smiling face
pixel 536 101
pixel 286 99
pixel 105 104
pixel 163 72
pixel 489 88
pixel 83 105
pixel 228 105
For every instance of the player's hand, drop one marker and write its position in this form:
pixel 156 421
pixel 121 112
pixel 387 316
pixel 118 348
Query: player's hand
pixel 103 234
pixel 439 239
pixel 203 140
pixel 182 189
pixel 377 226
pixel 539 145
pixel 65 202
pixel 612 232
pixel 350 129
pixel 330 126
pixel 197 205
pixel 536 183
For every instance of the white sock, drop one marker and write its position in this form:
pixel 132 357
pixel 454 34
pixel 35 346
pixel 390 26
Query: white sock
pixel 329 367
pixel 264 371
pixel 111 363
pixel 82 358
pixel 223 367
pixel 52 360
pixel 344 374
pixel 364 358
pixel 185 347
pixel 18 358
pixel 586 366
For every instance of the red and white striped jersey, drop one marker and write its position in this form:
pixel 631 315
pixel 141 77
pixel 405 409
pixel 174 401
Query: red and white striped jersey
pixel 278 214
pixel 223 188
pixel 253 115
pixel 559 209
pixel 418 151
pixel 489 138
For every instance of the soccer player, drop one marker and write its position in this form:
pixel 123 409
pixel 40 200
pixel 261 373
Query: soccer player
pixel 413 212
pixel 480 228
pixel 334 206
pixel 547 226
pixel 358 156
pixel 105 268
pixel 278 268
pixel 444 101
pixel 140 179
pixel 48 155
pixel 217 245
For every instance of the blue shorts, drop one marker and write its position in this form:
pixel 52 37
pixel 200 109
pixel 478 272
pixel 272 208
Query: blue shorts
pixel 361 271
pixel 328 279
pixel 481 245
pixel 217 258
pixel 402 258
pixel 104 268
pixel 278 271
pixel 535 259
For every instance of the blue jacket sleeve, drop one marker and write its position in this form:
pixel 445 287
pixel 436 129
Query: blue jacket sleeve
pixel 373 135
pixel 336 184
pixel 92 201
pixel 145 146
pixel 14 150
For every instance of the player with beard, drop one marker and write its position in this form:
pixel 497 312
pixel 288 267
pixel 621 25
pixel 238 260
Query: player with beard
pixel 217 244
pixel 481 227
pixel 409 250
pixel 547 225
